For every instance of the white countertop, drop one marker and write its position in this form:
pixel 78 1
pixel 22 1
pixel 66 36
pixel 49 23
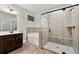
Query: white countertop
pixel 8 33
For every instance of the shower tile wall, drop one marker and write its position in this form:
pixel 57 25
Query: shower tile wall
pixel 75 31
pixel 61 41
pixel 58 23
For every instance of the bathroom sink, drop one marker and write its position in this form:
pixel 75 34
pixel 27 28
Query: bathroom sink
pixel 8 33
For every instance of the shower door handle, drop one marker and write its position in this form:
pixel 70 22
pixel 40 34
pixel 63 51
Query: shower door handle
pixel 49 30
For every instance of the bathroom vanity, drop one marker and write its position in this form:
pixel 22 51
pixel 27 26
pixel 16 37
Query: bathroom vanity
pixel 10 41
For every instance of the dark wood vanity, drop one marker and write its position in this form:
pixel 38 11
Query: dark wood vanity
pixel 10 42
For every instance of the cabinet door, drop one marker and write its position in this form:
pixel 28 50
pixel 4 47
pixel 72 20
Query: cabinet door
pixel 19 41
pixel 8 44
pixel 1 45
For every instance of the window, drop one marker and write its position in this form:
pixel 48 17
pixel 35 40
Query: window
pixel 31 18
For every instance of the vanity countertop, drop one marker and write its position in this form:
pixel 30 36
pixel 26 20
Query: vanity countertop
pixel 8 33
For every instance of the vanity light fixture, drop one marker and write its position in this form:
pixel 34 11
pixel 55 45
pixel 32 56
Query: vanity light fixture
pixel 10 9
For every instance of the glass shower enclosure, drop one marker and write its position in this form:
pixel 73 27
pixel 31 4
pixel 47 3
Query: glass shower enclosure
pixel 60 31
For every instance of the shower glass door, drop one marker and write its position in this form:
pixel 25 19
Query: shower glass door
pixel 62 29
pixel 44 25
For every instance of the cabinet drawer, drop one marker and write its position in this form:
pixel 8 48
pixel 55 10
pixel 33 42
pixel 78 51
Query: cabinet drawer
pixel 7 37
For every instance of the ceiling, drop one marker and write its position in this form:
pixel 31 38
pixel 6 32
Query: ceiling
pixel 38 8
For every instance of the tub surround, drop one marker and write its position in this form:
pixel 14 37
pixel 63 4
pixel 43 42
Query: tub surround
pixel 33 30
pixel 41 32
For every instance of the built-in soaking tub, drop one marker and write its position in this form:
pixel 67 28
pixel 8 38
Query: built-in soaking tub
pixel 33 38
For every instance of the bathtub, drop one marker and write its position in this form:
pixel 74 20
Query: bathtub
pixel 33 38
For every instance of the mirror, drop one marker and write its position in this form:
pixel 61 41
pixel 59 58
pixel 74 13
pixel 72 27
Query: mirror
pixel 8 21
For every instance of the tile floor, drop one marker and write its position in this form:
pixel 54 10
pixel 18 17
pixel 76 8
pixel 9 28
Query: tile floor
pixel 29 48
